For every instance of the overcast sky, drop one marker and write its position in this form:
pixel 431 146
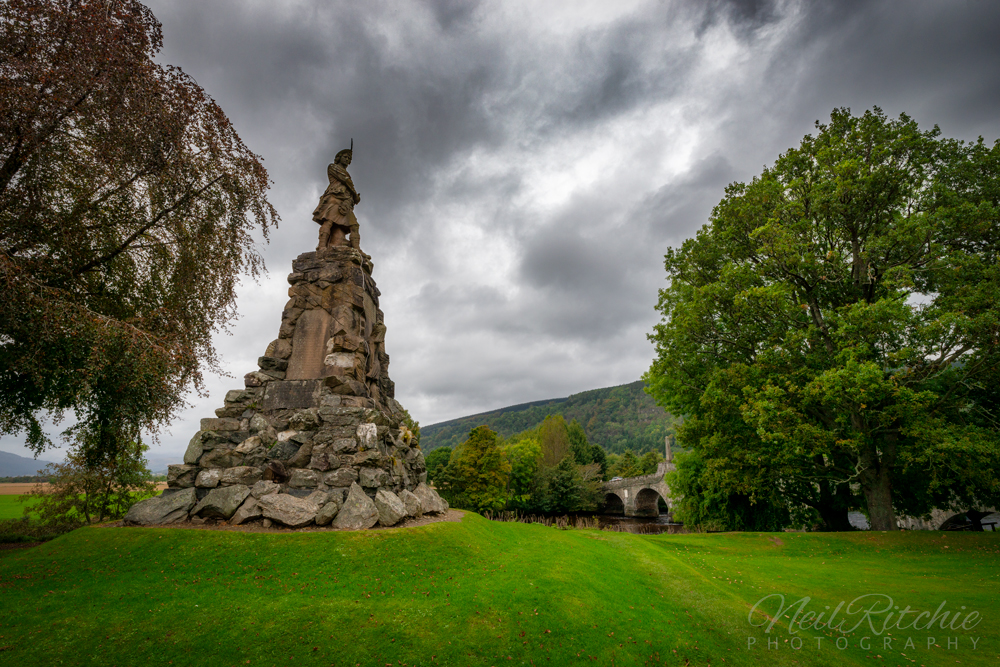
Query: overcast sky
pixel 523 166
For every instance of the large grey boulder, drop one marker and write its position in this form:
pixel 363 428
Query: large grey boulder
pixel 258 423
pixel 342 477
pixel 169 507
pixel 248 510
pixel 208 479
pixel 304 478
pixel 328 511
pixel 254 452
pixel 181 476
pixel 264 488
pixel 284 450
pixel 194 450
pixel 374 477
pixel 391 509
pixel 289 510
pixel 250 444
pixel 413 505
pixel 359 511
pixel 245 475
pixel 319 497
pixel 429 499
pixel 323 458
pixel 221 458
pixel 222 502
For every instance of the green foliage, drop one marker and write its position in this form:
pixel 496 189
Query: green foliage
pixel 615 418
pixel 550 478
pixel 24 479
pixel 532 483
pixel 525 457
pixel 553 436
pixel 600 457
pixel 582 452
pixel 128 208
pixel 477 473
pixel 707 503
pixel 836 321
pixel 436 462
pixel 29 529
pixel 82 492
pixel 562 488
pixel 624 465
pixel 567 487
pixel 649 461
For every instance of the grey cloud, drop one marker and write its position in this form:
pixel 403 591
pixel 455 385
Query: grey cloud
pixel 673 212
pixel 452 105
pixel 453 14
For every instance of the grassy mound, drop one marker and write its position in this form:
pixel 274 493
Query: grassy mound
pixel 477 593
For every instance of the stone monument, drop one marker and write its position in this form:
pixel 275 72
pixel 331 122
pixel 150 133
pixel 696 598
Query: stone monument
pixel 316 435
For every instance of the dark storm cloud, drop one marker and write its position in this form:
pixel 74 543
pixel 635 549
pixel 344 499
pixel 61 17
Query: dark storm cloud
pixel 938 62
pixel 524 166
pixel 330 71
pixel 673 212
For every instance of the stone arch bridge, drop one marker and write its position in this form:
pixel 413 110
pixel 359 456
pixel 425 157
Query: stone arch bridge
pixel 639 496
pixel 644 496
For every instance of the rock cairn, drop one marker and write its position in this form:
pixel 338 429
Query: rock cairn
pixel 315 436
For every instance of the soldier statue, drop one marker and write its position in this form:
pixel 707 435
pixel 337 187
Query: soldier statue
pixel 335 213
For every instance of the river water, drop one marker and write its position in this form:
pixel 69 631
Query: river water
pixel 636 524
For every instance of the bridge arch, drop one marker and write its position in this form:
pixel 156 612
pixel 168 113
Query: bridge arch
pixel 647 502
pixel 646 495
pixel 961 521
pixel 613 504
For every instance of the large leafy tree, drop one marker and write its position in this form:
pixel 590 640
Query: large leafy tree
pixel 477 474
pixel 127 208
pixel 436 461
pixel 524 456
pixel 836 325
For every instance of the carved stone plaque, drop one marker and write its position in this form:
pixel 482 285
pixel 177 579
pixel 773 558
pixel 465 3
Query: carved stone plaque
pixel 309 345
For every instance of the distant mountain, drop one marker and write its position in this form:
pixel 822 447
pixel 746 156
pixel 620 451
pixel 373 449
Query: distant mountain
pixel 12 465
pixel 158 464
pixel 614 417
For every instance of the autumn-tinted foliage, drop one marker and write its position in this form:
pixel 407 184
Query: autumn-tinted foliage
pixel 127 204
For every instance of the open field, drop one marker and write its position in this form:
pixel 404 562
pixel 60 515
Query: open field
pixel 11 507
pixel 17 488
pixel 483 593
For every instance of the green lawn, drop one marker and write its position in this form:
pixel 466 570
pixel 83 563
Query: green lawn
pixel 11 508
pixel 479 593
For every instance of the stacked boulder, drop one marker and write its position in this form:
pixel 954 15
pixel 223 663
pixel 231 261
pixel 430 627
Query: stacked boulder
pixel 316 435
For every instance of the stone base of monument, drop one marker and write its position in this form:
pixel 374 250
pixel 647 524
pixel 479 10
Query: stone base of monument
pixel 316 436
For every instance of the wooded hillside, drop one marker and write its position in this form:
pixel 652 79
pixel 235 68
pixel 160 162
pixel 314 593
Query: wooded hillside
pixel 616 418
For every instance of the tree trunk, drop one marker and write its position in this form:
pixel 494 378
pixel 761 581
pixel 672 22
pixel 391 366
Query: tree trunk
pixel 877 486
pixel 879 497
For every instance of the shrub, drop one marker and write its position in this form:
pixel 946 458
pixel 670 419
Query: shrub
pixel 82 492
